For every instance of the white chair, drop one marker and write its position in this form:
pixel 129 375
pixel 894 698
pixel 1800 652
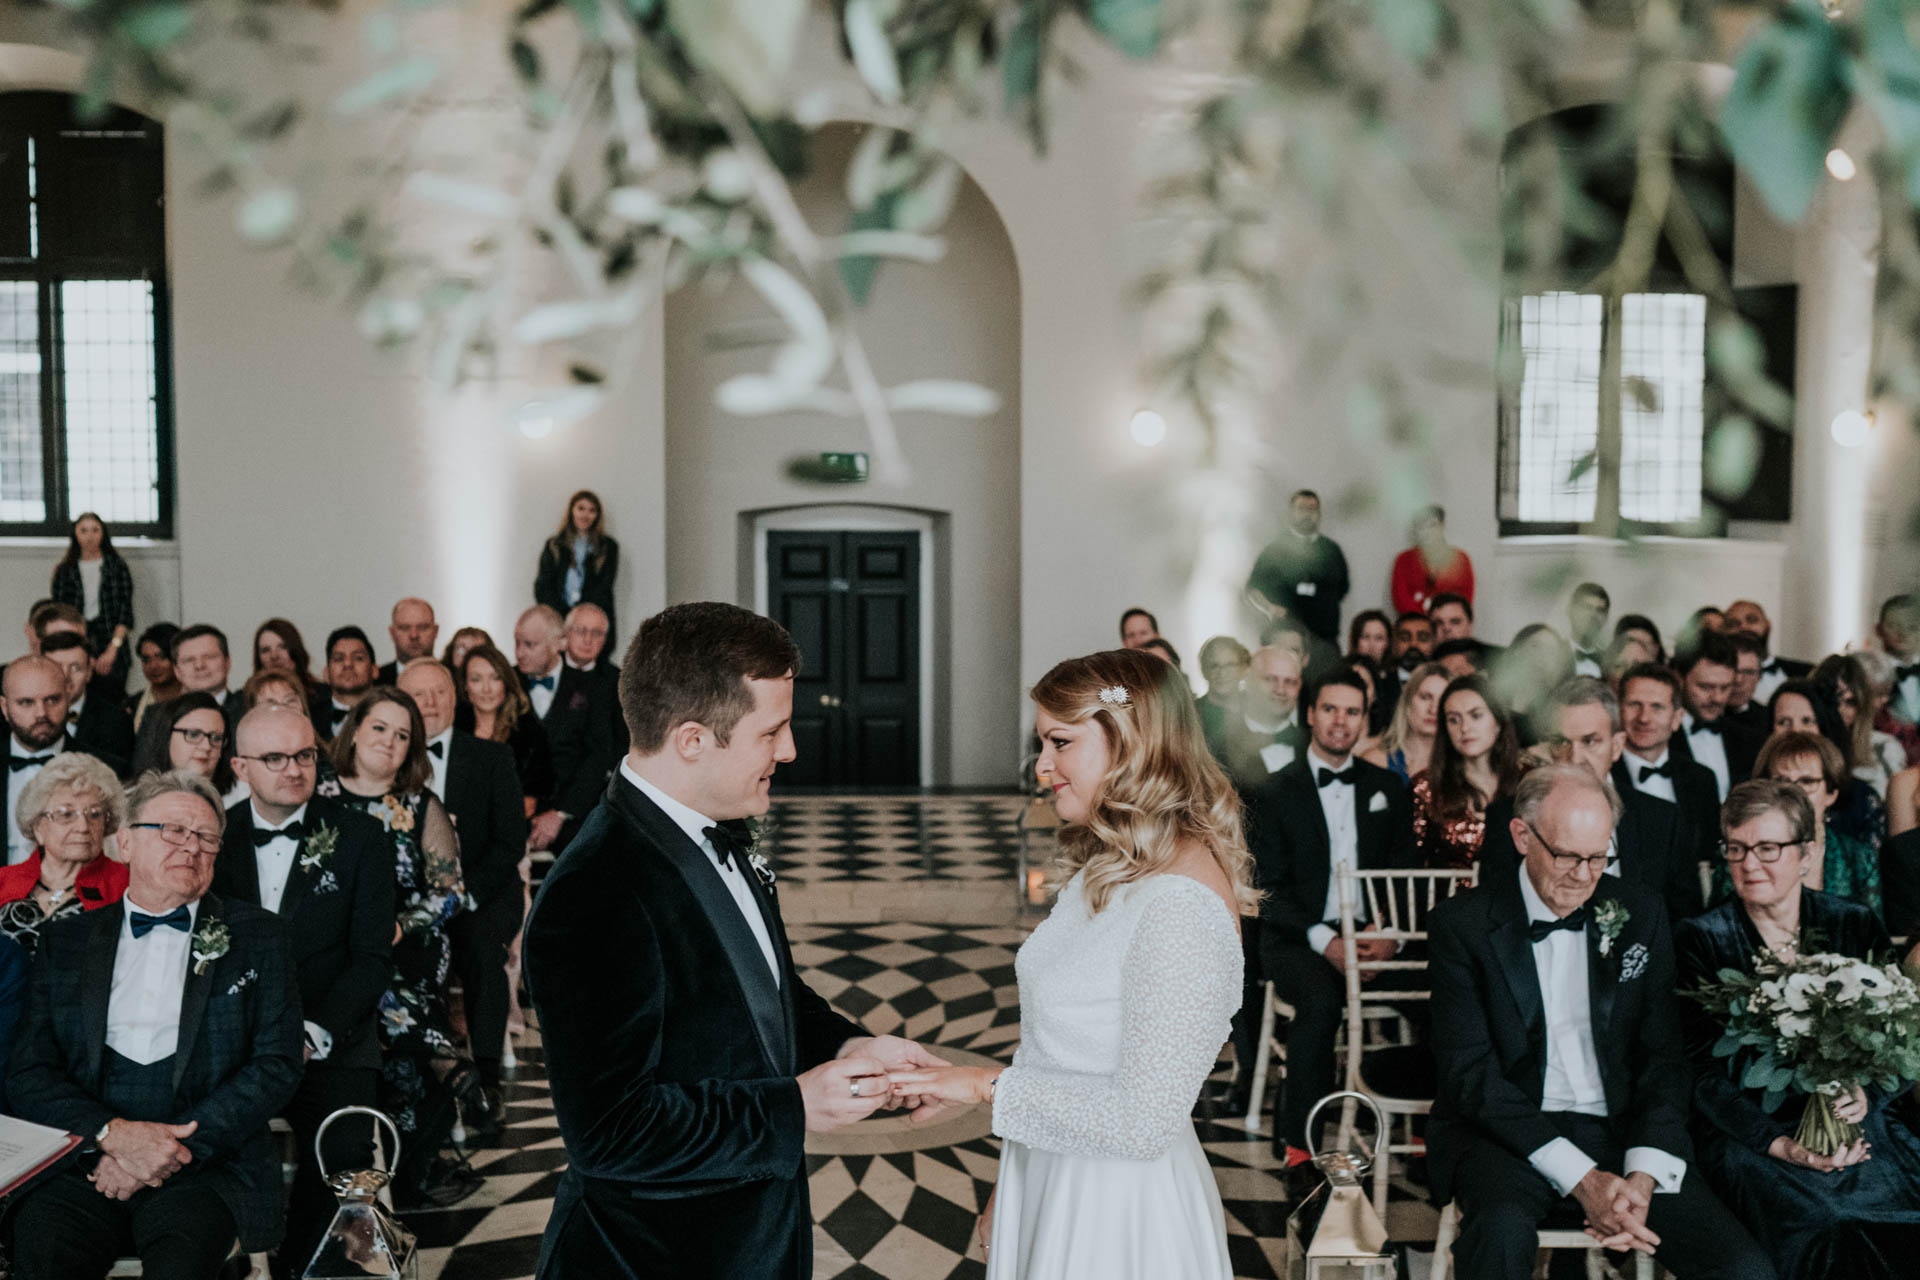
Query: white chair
pixel 1596 1256
pixel 1397 903
pixel 1267 1047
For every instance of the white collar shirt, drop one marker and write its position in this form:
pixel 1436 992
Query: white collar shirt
pixel 542 696
pixel 1771 678
pixel 1906 693
pixel 443 740
pixel 1710 749
pixel 149 977
pixel 1343 843
pixel 20 846
pixel 586 667
pixel 732 874
pixel 1660 785
pixel 274 859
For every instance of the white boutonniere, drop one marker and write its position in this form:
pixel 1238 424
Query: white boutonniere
pixel 210 942
pixel 1611 916
pixel 319 848
pixel 245 978
pixel 1633 962
pixel 762 869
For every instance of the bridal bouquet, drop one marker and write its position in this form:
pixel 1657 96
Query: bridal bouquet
pixel 1819 1025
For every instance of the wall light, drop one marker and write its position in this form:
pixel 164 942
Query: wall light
pixel 1841 165
pixel 536 426
pixel 1147 428
pixel 1851 428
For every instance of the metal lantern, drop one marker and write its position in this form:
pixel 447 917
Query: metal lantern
pixel 364 1240
pixel 1335 1233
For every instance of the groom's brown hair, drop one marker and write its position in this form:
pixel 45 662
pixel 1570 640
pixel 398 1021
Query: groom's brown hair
pixel 692 662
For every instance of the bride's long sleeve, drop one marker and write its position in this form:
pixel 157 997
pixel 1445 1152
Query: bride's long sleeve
pixel 1180 983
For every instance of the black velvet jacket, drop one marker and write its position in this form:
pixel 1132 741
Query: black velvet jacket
pixel 671 1057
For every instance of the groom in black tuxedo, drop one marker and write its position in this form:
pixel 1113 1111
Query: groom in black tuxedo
pixel 686 1060
pixel 1563 1088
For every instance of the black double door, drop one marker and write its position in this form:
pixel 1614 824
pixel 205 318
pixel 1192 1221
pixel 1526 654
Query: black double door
pixel 851 600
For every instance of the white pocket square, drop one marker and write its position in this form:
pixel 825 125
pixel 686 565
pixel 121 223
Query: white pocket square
pixel 1378 802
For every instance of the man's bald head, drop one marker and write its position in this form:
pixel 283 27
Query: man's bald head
pixel 1275 682
pixel 268 736
pixel 34 695
pixel 270 727
pixel 30 671
pixel 412 629
pixel 587 634
pixel 428 682
pixel 536 640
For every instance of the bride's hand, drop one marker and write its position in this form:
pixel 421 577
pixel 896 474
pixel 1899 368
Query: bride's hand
pixel 965 1085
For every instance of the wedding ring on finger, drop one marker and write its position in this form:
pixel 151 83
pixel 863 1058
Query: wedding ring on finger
pixel 854 1088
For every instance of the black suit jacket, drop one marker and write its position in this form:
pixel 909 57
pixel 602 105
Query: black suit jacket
pixel 1743 748
pixel 338 917
pixel 550 581
pixel 483 798
pixel 579 725
pixel 671 1057
pixel 1490 1028
pixel 1293 852
pixel 104 731
pixel 1654 843
pixel 1697 794
pixel 237 1064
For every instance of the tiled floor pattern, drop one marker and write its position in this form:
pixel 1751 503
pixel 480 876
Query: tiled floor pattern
pixel 814 839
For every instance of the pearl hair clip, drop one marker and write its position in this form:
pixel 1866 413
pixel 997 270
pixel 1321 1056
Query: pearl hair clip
pixel 1114 696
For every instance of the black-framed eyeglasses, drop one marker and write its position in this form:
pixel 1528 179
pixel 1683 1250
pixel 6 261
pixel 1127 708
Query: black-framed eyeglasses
pixel 195 737
pixel 1595 864
pixel 1765 850
pixel 179 835
pixel 277 761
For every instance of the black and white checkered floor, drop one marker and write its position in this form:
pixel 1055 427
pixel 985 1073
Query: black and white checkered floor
pixel 888 1200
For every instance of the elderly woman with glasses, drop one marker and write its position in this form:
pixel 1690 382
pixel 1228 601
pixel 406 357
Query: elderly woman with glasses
pixel 68 811
pixel 1835 861
pixel 1855 1213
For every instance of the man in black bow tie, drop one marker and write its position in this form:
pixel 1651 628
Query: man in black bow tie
pixel 1587 610
pixel 99 726
pixel 1324 811
pixel 414 632
pixel 1563 1087
pixel 33 692
pixel 202 662
pixel 1899 633
pixel 1746 617
pixel 577 710
pixel 326 869
pixel 349 676
pixel 687 1061
pixel 1651 714
pixel 1706 671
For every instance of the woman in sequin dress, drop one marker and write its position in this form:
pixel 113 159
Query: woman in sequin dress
pixel 1476 760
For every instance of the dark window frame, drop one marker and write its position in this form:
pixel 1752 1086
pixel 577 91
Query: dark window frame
pixel 60 137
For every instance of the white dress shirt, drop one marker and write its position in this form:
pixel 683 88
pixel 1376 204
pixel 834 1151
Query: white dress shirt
pixel 1906 693
pixel 1660 786
pixel 1343 844
pixel 438 782
pixel 543 698
pixel 1572 1081
pixel 149 976
pixel 1771 678
pixel 1584 664
pixel 731 873
pixel 1710 749
pixel 1275 755
pixel 274 859
pixel 19 845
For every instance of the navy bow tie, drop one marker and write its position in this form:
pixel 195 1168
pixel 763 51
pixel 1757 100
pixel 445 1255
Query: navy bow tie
pixel 543 682
pixel 1328 777
pixel 262 836
pixel 141 923
pixel 1572 922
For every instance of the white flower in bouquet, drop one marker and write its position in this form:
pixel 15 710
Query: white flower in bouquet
pixel 1797 994
pixel 1794 1025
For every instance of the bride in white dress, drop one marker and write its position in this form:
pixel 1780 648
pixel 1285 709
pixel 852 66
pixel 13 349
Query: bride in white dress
pixel 1126 991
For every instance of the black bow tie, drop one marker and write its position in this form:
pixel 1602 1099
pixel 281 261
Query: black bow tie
pixel 1715 727
pixel 16 763
pixel 729 841
pixel 141 923
pixel 543 682
pixel 263 837
pixel 1572 922
pixel 1771 667
pixel 1903 674
pixel 1656 771
pixel 337 714
pixel 1586 655
pixel 1328 777
pixel 437 748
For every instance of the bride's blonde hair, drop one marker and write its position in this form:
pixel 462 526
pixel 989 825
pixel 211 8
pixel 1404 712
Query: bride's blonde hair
pixel 1162 785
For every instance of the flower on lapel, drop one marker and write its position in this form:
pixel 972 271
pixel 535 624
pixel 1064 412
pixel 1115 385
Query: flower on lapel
pixel 1611 916
pixel 762 869
pixel 320 846
pixel 245 978
pixel 210 942
pixel 1633 962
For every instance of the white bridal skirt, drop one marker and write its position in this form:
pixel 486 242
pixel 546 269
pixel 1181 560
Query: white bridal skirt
pixel 1063 1217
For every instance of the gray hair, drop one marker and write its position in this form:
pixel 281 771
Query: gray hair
pixel 1879 668
pixel 1539 783
pixel 81 772
pixel 1585 691
pixel 166 782
pixel 1761 796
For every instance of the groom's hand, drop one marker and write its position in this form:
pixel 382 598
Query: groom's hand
pixel 900 1055
pixel 828 1092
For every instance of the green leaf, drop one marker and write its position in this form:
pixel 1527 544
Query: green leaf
pixel 1788 98
pixel 747 44
pixel 268 215
pixel 526 61
pixel 873 54
pixel 1887 43
pixel 1025 54
pixel 1133 26
pixel 157 25
pixel 1732 456
pixel 397 79
pixel 857 273
pixel 1412 27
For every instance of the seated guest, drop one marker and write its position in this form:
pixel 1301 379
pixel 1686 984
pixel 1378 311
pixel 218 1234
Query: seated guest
pixel 1563 1091
pixel 414 631
pixel 1290 635
pixel 203 663
pixel 1879 671
pixel 1899 633
pixel 1743 707
pixel 475 779
pixel 33 695
pixel 381 765
pixel 1706 620
pixel 155 651
pixel 274 689
pixel 1651 714
pixel 586 641
pixel 1163 649
pixel 465 641
pixel 1623 654
pixel 279 646
pixel 189 734
pixel 1412 640
pixel 66 813
pixel 1587 610
pixel 349 676
pixel 1265 736
pixel 1224 663
pixel 1843 678
pixel 1745 617
pixel 1323 811
pixel 1461 657
pixel 327 871
pixel 1406 748
pixel 98 726
pixel 1370 677
pixel 1476 760
pixel 574 709
pixel 1705 668
pixel 1137 626
pixel 1831 861
pixel 1528 670
pixel 202 1050
pixel 47 617
pixel 1370 634
pixel 494 708
pixel 1802 706
pixel 1799 706
pixel 1431 567
pixel 1452 617
pixel 1638 626
pixel 14 967
pixel 1819 1217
